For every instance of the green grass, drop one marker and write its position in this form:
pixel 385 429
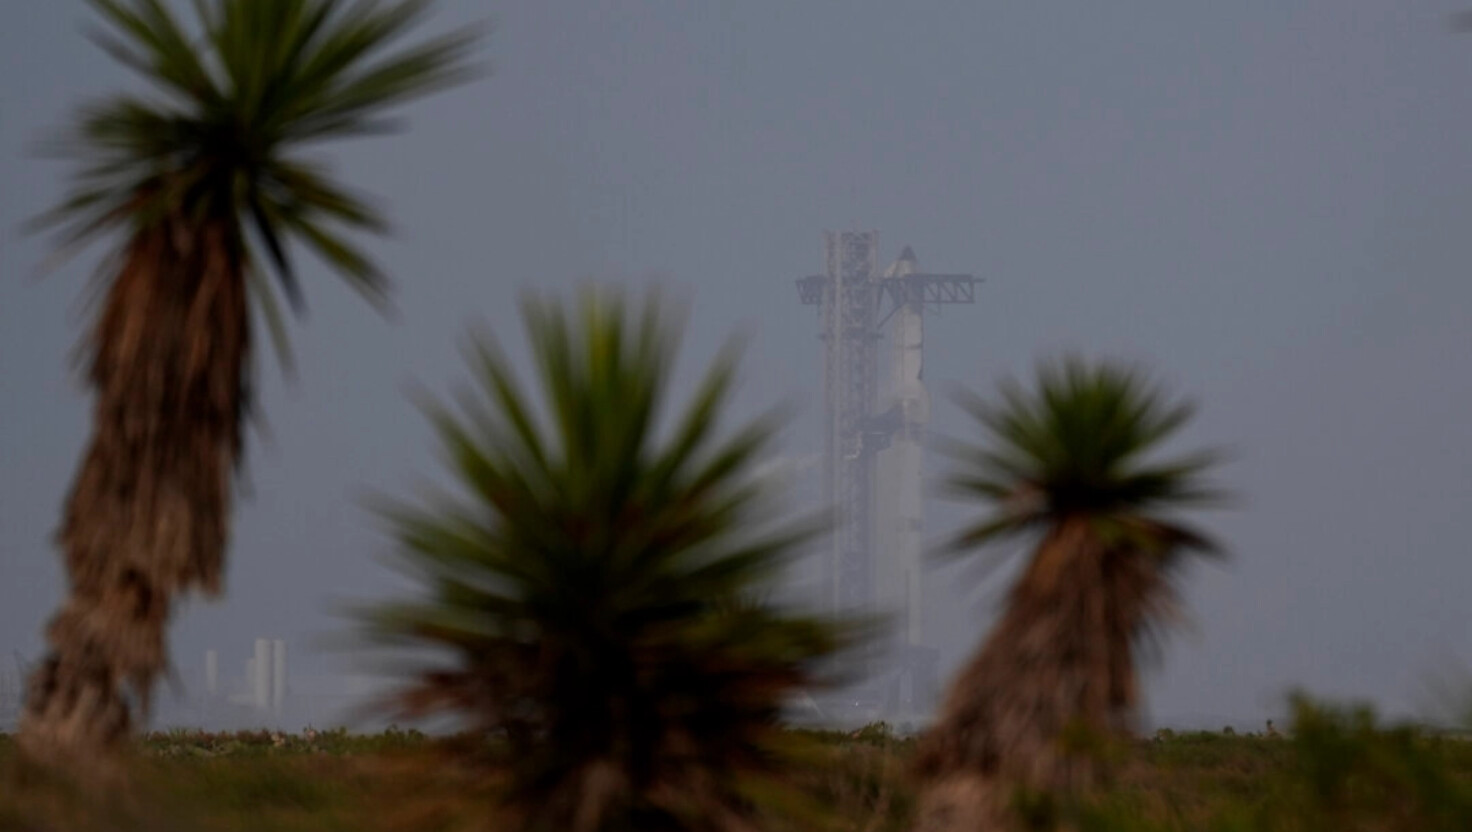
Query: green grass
pixel 1340 775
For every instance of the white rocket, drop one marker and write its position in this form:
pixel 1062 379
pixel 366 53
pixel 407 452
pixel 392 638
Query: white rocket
pixel 900 532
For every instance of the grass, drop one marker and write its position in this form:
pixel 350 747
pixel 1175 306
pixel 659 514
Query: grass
pixel 1336 774
pixel 262 780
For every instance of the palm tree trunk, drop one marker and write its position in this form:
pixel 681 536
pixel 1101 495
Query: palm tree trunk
pixel 148 514
pixel 1058 666
pixel 971 802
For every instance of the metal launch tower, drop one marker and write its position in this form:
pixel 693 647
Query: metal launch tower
pixel 874 442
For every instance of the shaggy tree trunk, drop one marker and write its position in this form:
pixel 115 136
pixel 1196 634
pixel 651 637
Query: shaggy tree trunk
pixel 148 513
pixel 1057 671
pixel 972 802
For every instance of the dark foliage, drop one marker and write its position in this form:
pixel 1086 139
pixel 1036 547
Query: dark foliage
pixel 591 584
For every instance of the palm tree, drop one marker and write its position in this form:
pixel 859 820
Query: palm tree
pixel 594 589
pixel 203 186
pixel 1074 468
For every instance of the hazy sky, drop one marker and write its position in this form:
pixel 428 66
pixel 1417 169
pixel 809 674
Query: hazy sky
pixel 1268 202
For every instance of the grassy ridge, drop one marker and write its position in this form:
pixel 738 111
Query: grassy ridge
pixel 1329 776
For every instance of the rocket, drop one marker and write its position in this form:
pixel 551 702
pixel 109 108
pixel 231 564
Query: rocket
pixel 901 509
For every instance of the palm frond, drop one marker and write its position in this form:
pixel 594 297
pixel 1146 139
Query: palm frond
pixel 1082 443
pixel 584 579
pixel 249 85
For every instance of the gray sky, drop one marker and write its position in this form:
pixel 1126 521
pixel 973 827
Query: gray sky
pixel 1268 202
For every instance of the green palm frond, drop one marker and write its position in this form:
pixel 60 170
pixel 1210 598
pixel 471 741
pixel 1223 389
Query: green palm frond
pixel 1084 443
pixel 593 576
pixel 235 98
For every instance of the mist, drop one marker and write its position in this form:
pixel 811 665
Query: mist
pixel 1264 203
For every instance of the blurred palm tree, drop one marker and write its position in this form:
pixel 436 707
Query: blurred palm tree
pixel 1074 468
pixel 596 588
pixel 202 180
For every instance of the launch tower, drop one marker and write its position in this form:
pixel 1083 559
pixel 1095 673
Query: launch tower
pixel 874 444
